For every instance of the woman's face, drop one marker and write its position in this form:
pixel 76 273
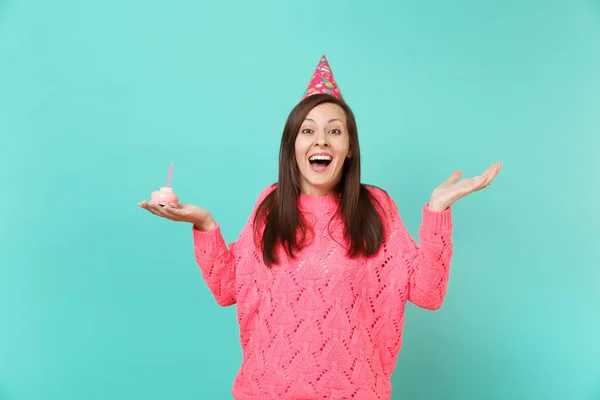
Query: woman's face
pixel 322 145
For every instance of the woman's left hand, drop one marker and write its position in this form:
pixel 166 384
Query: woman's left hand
pixel 449 191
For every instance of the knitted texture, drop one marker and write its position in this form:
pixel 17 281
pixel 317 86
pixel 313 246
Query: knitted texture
pixel 323 325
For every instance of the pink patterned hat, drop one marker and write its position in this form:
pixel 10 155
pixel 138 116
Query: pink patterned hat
pixel 322 81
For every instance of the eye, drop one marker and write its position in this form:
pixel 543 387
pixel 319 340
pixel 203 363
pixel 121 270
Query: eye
pixel 335 131
pixel 306 130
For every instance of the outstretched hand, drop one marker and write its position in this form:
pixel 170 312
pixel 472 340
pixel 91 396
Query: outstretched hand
pixel 198 216
pixel 450 191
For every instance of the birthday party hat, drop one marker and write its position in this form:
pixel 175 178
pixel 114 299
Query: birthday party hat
pixel 322 81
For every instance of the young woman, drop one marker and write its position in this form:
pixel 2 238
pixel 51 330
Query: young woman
pixel 324 267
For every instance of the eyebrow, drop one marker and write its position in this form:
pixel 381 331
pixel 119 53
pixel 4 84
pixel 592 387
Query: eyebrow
pixel 331 120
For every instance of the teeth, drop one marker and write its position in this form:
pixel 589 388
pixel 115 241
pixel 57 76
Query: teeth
pixel 319 157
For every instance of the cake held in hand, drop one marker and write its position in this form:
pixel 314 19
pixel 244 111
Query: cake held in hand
pixel 164 196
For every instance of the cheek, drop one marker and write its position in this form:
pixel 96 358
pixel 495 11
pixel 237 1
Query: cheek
pixel 343 147
pixel 300 147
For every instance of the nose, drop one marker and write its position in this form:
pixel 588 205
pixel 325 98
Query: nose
pixel 321 140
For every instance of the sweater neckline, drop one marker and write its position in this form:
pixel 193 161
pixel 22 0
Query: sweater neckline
pixel 318 202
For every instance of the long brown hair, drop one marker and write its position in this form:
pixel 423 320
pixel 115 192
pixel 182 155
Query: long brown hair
pixel 279 215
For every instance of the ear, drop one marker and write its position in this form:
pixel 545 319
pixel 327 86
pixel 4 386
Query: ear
pixel 349 155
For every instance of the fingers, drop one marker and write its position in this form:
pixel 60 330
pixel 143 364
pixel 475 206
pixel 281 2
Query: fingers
pixel 482 181
pixel 173 212
pixel 157 210
pixel 151 207
pixel 470 185
pixel 451 191
pixel 454 177
pixel 491 173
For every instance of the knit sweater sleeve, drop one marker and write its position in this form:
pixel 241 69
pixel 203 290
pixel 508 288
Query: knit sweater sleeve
pixel 427 264
pixel 217 261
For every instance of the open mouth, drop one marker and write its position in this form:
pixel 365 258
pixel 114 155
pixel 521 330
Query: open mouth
pixel 320 162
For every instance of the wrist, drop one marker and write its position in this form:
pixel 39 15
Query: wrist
pixel 205 225
pixel 436 207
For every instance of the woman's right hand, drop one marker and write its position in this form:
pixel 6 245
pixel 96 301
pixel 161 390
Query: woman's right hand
pixel 198 216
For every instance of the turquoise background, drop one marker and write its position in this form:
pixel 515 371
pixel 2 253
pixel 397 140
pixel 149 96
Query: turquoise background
pixel 101 300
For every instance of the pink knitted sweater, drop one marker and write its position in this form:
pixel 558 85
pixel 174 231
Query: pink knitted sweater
pixel 323 325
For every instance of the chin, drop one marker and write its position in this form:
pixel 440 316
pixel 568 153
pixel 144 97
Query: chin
pixel 322 186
